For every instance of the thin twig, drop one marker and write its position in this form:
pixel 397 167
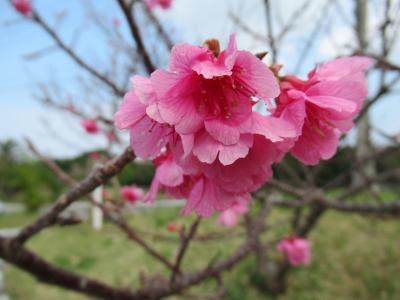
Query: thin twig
pixel 184 246
pixel 38 19
pixel 270 31
pixel 129 231
pixel 133 27
pixel 98 177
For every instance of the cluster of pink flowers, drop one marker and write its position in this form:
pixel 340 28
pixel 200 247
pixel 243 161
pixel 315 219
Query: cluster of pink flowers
pixel 196 121
pixel 164 4
pixel 323 106
pixel 296 249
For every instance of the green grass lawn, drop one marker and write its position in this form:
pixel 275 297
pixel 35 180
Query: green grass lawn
pixel 353 258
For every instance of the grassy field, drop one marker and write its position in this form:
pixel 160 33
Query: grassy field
pixel 353 258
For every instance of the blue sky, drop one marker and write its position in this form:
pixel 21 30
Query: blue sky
pixel 190 20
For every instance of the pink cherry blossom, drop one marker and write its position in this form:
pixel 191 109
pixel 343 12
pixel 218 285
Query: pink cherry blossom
pixel 90 125
pixel 23 6
pixel 164 4
pixel 322 108
pixel 230 216
pixel 208 96
pixel 297 250
pixel 132 193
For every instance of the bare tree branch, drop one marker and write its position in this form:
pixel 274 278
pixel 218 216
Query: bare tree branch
pixel 133 27
pixel 184 246
pixel 38 19
pixel 98 177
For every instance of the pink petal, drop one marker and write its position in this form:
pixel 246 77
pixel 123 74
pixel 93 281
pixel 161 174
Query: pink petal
pixel 274 129
pixel 144 89
pixel 196 194
pixel 341 67
pixel 227 218
pixel 228 57
pixel 222 132
pixel 176 105
pixel 149 137
pixel 205 147
pixel 311 147
pixel 334 103
pixel 210 69
pixel 130 111
pixel 348 90
pixel 187 143
pixel 184 56
pixel 229 154
pixel 256 75
pixel 152 193
pixel 169 173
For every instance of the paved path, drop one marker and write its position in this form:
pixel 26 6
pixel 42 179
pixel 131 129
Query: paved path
pixel 8 232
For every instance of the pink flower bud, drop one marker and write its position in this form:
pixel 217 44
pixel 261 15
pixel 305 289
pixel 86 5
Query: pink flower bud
pixel 173 227
pixel 90 126
pixel 164 4
pixel 23 6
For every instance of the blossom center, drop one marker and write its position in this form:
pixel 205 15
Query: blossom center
pixel 220 96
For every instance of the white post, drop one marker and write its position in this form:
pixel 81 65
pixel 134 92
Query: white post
pixel 3 295
pixel 97 213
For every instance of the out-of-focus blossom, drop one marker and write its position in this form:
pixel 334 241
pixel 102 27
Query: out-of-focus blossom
pixel 106 194
pixel 90 126
pixel 111 136
pixel 95 155
pixel 132 193
pixel 116 22
pixel 323 106
pixel 164 4
pixel 23 6
pixel 297 250
pixel 174 227
pixel 230 216
pixel 70 107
